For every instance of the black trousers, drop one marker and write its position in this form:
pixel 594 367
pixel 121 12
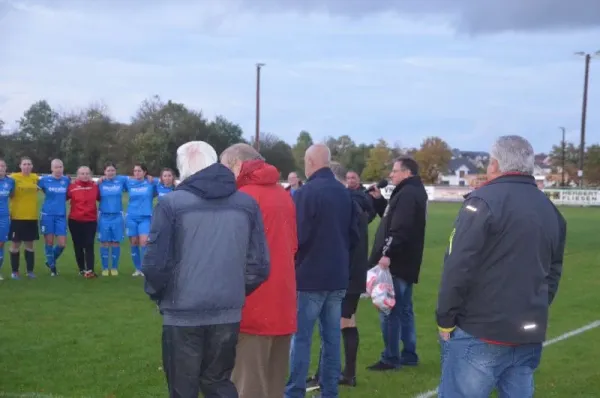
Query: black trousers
pixel 83 234
pixel 200 359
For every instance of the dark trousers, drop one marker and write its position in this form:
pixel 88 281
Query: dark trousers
pixel 200 359
pixel 83 234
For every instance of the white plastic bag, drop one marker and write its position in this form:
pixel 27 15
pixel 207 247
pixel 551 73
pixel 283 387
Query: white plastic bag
pixel 380 286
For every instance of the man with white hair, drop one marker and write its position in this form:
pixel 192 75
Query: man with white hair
pixel 206 252
pixel 327 232
pixel 501 273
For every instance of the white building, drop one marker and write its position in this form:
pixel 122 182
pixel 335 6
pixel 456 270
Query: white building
pixel 458 170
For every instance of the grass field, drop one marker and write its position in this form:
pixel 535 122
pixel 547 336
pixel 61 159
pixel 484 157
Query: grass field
pixel 71 337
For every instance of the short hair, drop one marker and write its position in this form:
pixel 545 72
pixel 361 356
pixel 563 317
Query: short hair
pixel 408 163
pixel 109 164
pixel 239 152
pixel 23 158
pixel 513 154
pixel 141 166
pixel 338 170
pixel 193 157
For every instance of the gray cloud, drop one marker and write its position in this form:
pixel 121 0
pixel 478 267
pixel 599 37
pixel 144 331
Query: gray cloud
pixel 468 16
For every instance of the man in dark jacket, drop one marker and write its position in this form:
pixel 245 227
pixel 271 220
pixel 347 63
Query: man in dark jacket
pixel 501 273
pixel 327 232
pixel 359 265
pixel 399 246
pixel 206 252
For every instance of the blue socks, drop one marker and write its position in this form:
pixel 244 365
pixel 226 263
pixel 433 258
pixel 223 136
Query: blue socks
pixel 116 255
pixel 104 256
pixel 49 250
pixel 135 257
pixel 58 250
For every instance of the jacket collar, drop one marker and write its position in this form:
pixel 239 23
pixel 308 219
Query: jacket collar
pixel 412 180
pixel 511 177
pixel 323 173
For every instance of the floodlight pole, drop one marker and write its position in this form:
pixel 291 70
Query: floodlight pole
pixel 257 132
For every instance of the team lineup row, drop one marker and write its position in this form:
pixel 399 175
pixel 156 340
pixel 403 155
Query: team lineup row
pixel 96 208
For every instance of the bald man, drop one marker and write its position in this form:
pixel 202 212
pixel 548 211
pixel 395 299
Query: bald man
pixel 327 232
pixel 294 183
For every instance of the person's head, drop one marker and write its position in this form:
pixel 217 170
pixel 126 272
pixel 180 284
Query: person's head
pixel 235 155
pixel 510 154
pixel 317 156
pixel 110 170
pixel 139 171
pixel 57 168
pixel 352 180
pixel 2 168
pixel 338 171
pixel 84 174
pixel 193 157
pixel 403 168
pixel 293 179
pixel 167 177
pixel 26 165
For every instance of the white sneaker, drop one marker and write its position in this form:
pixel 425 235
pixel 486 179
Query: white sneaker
pixel 137 273
pixel 1 278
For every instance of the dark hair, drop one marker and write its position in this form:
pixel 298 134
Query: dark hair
pixel 141 166
pixel 109 164
pixel 408 163
pixel 167 169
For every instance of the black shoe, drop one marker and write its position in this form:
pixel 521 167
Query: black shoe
pixel 382 367
pixel 347 381
pixel 312 381
pixel 408 362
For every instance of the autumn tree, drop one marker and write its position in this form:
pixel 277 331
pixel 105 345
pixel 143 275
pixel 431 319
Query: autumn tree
pixel 378 162
pixel 433 157
pixel 571 161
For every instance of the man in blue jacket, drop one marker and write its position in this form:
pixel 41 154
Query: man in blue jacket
pixel 206 252
pixel 327 232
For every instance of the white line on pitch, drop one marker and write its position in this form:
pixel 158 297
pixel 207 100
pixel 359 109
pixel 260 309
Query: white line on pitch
pixel 593 325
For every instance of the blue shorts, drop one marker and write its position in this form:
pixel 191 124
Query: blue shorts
pixel 138 225
pixel 110 227
pixel 53 225
pixel 4 228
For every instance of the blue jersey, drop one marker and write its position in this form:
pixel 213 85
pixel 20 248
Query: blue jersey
pixel 162 190
pixel 141 197
pixel 7 187
pixel 111 195
pixel 55 191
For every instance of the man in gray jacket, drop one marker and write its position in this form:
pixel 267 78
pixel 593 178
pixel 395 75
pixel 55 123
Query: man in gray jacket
pixel 206 252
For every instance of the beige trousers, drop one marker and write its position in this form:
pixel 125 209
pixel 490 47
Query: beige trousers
pixel 261 366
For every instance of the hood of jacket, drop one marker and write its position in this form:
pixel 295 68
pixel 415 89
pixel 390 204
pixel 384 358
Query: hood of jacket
pixel 214 182
pixel 257 172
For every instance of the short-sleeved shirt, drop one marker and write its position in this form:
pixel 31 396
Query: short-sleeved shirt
pixel 55 191
pixel 24 204
pixel 7 187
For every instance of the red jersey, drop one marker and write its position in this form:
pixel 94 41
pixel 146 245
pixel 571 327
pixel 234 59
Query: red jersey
pixel 83 196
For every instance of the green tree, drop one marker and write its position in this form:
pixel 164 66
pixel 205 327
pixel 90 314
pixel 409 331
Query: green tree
pixel 571 161
pixel 277 153
pixel 433 158
pixel 36 135
pixel 378 162
pixel 303 142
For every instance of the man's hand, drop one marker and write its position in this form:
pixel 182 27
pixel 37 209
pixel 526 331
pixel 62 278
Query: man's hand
pixel 384 262
pixel 445 333
pixel 375 192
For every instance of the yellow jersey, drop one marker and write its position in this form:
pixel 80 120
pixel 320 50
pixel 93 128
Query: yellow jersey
pixel 24 203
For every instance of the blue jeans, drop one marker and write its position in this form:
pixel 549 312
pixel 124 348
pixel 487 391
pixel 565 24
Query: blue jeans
pixel 472 368
pixel 398 326
pixel 327 308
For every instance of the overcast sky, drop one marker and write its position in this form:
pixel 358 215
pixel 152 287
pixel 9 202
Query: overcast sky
pixel 465 70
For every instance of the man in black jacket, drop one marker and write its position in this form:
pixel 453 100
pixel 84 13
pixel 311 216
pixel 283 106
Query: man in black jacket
pixel 501 273
pixel 359 265
pixel 399 246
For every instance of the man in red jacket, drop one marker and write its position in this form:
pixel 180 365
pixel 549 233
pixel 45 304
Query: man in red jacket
pixel 83 194
pixel 269 314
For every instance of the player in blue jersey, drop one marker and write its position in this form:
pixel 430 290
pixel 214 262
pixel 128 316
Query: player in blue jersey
pixel 110 220
pixel 141 191
pixel 167 182
pixel 7 188
pixel 53 221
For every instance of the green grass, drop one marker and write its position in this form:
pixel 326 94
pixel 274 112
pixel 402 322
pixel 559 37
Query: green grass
pixel 75 338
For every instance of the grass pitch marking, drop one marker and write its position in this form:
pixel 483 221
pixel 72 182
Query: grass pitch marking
pixel 558 339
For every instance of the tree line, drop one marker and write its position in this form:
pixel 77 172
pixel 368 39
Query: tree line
pixel 92 137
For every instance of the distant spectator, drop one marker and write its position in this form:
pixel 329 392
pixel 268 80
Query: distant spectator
pixel 501 273
pixel 359 265
pixel 294 183
pixel 269 315
pixel 353 180
pixel 327 232
pixel 398 245
pixel 206 252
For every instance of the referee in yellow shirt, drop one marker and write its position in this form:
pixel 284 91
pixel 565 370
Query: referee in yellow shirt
pixel 24 217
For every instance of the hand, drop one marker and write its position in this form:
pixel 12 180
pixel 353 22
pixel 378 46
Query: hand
pixel 375 193
pixel 384 262
pixel 101 179
pixel 444 335
pixel 149 178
